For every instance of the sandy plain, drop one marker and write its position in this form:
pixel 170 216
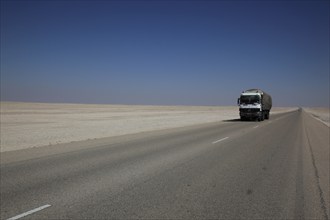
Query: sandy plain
pixel 29 125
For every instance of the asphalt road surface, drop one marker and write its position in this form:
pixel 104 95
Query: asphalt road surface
pixel 278 169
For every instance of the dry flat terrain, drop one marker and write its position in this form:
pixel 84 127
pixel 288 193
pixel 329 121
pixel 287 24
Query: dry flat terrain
pixel 27 125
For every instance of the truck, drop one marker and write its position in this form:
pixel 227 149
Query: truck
pixel 254 104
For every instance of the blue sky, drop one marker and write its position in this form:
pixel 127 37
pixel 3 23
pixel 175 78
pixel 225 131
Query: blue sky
pixel 164 52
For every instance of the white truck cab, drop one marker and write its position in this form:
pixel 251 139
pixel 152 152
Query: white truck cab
pixel 254 104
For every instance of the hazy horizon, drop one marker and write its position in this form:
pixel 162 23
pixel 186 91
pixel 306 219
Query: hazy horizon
pixel 169 105
pixel 195 53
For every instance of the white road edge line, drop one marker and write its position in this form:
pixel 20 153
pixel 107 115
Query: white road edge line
pixel 29 212
pixel 256 126
pixel 222 139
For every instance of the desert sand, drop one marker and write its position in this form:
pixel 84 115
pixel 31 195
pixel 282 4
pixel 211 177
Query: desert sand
pixel 28 125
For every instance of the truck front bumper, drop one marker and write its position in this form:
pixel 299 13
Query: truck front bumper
pixel 250 113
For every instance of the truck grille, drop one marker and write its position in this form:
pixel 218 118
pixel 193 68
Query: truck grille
pixel 249 110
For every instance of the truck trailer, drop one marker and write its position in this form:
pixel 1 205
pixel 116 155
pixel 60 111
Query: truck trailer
pixel 254 104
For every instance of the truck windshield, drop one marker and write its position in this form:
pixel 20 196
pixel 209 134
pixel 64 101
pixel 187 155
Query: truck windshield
pixel 249 99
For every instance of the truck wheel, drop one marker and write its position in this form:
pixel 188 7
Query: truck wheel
pixel 267 115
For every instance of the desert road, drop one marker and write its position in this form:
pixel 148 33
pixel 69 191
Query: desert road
pixel 278 169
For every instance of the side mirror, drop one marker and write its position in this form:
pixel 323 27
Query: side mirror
pixel 238 101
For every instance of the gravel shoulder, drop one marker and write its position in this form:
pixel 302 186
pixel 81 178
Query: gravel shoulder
pixel 321 114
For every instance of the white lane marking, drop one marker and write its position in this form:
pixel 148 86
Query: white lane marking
pixel 256 126
pixel 29 212
pixel 222 139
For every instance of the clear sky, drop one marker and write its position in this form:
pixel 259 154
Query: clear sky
pixel 165 52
